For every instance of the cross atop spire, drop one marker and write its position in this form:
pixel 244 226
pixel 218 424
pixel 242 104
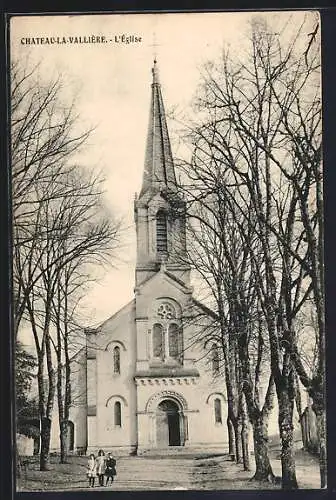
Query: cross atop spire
pixel 155 45
pixel 159 170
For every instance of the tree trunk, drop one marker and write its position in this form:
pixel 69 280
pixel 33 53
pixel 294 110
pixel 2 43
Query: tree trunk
pixel 237 427
pixel 321 433
pixel 303 433
pixel 320 309
pixel 304 430
pixel 45 442
pixel 232 405
pixel 64 440
pixel 44 422
pixel 231 438
pixel 231 384
pixel 244 432
pixel 300 412
pixel 264 472
pixel 286 406
pixel 245 447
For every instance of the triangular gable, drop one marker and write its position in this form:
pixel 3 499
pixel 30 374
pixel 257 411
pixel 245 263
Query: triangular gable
pixel 164 274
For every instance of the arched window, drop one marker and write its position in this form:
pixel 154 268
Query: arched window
pixel 174 340
pixel 161 232
pixel 218 411
pixel 116 359
pixel 167 337
pixel 158 341
pixel 117 414
pixel 215 360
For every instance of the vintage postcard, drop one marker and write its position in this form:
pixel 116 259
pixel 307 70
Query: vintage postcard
pixel 168 273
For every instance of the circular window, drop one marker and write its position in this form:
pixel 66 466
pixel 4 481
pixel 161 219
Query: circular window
pixel 166 311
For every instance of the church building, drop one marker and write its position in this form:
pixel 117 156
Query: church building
pixel 148 378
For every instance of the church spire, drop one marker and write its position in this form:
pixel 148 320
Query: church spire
pixel 159 170
pixel 159 212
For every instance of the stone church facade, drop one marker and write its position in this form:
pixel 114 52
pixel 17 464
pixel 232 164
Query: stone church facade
pixel 147 378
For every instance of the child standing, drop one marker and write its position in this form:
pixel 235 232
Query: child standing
pixel 100 464
pixel 91 470
pixel 110 471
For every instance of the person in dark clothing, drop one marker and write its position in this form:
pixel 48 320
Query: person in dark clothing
pixel 110 470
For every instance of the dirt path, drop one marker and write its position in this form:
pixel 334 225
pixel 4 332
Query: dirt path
pixel 136 473
pixel 180 473
pixel 164 473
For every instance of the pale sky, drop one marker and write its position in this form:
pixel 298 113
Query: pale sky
pixel 112 82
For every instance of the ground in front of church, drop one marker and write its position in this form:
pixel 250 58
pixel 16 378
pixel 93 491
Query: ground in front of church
pixel 198 472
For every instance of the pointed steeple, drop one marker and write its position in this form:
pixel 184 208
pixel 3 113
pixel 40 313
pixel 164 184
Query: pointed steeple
pixel 159 211
pixel 159 170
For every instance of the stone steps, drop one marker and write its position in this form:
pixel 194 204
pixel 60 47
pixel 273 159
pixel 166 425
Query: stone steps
pixel 180 451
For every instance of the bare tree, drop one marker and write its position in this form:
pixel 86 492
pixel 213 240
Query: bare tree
pixel 72 281
pixel 261 127
pixel 220 244
pixel 58 219
pixel 45 134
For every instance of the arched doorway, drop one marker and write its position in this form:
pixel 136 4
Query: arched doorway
pixel 168 424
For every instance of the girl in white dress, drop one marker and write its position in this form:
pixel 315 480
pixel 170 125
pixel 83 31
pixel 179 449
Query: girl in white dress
pixel 91 470
pixel 100 463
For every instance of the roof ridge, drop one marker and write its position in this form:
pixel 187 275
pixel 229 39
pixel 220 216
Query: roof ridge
pixel 114 314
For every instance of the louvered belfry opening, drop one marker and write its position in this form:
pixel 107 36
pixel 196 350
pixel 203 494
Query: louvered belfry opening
pixel 161 232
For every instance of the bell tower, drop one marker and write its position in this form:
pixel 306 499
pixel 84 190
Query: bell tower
pixel 159 211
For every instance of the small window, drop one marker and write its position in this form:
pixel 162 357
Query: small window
pixel 161 232
pixel 117 414
pixel 218 411
pixel 158 341
pixel 215 360
pixel 116 359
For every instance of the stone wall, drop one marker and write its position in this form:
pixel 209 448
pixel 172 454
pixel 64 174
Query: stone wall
pixel 25 445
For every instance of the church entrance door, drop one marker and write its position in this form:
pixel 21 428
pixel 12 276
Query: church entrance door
pixel 168 432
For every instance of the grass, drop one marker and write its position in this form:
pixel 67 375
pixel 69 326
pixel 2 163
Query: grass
pixel 57 477
pixel 207 472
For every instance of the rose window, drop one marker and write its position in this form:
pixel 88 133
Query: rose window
pixel 166 311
